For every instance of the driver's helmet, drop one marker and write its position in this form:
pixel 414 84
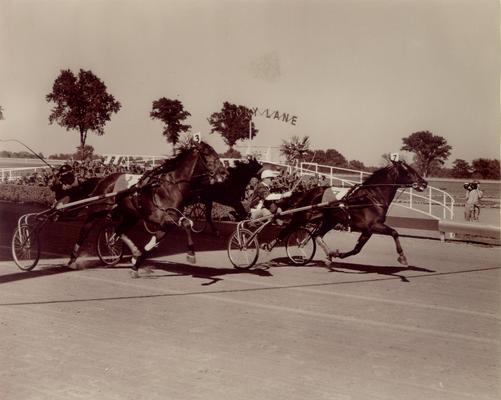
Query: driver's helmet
pixel 64 169
pixel 66 174
pixel 268 173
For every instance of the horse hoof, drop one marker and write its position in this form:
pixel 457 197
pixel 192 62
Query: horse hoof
pixel 191 259
pixel 334 254
pixel 266 247
pixel 137 260
pixel 72 263
pixel 402 260
pixel 148 270
pixel 134 274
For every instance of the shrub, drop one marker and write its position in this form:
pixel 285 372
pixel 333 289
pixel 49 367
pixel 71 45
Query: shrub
pixel 26 194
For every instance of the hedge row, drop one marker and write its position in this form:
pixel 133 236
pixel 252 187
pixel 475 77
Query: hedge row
pixel 26 194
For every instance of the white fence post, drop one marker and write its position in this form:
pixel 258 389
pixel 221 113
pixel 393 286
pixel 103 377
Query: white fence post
pixel 429 201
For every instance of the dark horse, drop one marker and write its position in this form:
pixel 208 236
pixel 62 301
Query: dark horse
pixel 362 209
pixel 231 192
pixel 156 198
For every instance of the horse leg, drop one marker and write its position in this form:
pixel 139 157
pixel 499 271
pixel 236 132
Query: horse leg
pixel 208 216
pixel 325 227
pixel 386 230
pixel 190 255
pixel 128 220
pixel 362 240
pixel 241 214
pixel 148 247
pixel 136 253
pixel 84 233
pixel 320 241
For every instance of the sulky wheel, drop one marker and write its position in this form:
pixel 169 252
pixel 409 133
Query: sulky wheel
pixel 300 246
pixel 25 247
pixel 243 253
pixel 196 213
pixel 109 245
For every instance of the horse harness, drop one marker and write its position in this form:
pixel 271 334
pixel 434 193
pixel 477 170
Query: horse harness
pixel 159 177
pixel 342 204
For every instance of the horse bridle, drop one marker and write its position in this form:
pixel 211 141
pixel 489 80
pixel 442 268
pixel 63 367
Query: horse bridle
pixel 209 172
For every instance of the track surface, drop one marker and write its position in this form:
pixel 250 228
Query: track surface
pixel 363 328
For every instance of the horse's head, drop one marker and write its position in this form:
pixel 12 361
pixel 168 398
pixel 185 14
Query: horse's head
pixel 247 169
pixel 407 176
pixel 254 166
pixel 211 163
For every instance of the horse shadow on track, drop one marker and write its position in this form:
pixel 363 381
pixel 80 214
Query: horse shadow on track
pixel 211 274
pixel 353 268
pixel 37 273
pixel 171 269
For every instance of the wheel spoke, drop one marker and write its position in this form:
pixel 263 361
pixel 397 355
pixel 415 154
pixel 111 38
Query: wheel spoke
pixel 300 246
pixel 109 246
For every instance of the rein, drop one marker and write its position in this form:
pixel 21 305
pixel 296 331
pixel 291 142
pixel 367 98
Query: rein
pixel 373 201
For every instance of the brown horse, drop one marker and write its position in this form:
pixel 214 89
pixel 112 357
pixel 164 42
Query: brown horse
pixel 231 192
pixel 362 209
pixel 156 198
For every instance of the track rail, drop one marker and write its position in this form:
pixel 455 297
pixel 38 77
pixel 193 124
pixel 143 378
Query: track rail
pixel 433 202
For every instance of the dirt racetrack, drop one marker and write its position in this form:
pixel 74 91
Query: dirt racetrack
pixel 363 328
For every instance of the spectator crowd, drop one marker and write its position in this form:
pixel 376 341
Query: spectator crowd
pixel 285 181
pixel 82 169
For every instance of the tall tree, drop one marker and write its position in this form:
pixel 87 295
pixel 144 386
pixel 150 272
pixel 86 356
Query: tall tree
pixel 233 123
pixel 330 157
pixel 461 169
pixel 82 103
pixel 486 168
pixel 87 152
pixel 295 150
pixel 358 165
pixel 171 113
pixel 429 150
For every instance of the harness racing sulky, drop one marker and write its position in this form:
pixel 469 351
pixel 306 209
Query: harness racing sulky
pixel 156 198
pixel 309 215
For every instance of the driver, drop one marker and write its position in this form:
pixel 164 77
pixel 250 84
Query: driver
pixel 65 185
pixel 262 195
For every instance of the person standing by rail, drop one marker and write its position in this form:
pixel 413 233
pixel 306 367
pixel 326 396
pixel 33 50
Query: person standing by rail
pixel 472 204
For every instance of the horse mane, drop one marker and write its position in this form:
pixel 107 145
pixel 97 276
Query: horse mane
pixel 170 164
pixel 241 167
pixel 378 176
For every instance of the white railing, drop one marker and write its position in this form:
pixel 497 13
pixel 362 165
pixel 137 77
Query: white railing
pixel 434 202
pixel 126 159
pixel 11 174
pixel 342 176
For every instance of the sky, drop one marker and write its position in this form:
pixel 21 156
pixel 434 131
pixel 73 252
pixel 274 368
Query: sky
pixel 359 75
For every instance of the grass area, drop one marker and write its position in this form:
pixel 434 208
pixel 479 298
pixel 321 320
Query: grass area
pixel 455 188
